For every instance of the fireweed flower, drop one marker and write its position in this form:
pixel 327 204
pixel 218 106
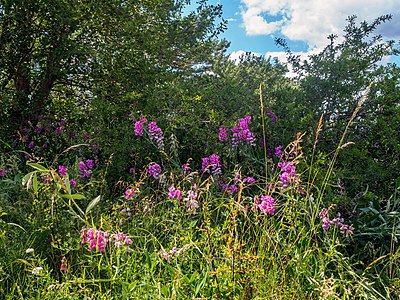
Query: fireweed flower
pixel 129 193
pixel 2 173
pixel 249 180
pixel 223 135
pixel 267 205
pixel 191 200
pixel 120 240
pixel 95 239
pixel 138 126
pixel 346 230
pixel 156 134
pixel 242 133
pixel 211 165
pixel 174 193
pixel 85 168
pixel 90 163
pixel 288 174
pixel 72 182
pixel 155 171
pixel 279 151
pixel 62 170
pixel 166 255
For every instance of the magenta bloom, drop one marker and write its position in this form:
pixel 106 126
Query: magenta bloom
pixel 211 164
pixel 129 193
pixel 249 180
pixel 267 205
pixel 166 255
pixel 155 171
pixel 2 173
pixel 138 128
pixel 90 163
pixel 31 145
pixel 223 135
pixel 84 171
pixel 174 193
pixel 62 170
pixel 72 182
pixel 279 151
pixel 156 134
pixel 242 133
pixel 96 239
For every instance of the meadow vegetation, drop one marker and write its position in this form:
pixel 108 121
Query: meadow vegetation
pixel 139 162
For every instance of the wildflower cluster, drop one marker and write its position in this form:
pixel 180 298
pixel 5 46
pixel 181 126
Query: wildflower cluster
pixel 174 193
pixel 211 164
pixel 155 132
pixel 233 188
pixel 223 135
pixel 171 252
pixel 278 151
pixel 85 168
pixel 97 239
pixel 288 175
pixel 242 133
pixel 155 170
pixel 338 222
pixel 266 204
pixel 191 200
pixel 138 126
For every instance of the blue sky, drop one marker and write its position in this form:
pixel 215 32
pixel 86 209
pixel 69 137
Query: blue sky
pixel 305 24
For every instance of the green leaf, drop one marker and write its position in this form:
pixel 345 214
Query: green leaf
pixel 74 196
pixel 35 183
pixel 27 179
pixel 93 203
pixel 38 167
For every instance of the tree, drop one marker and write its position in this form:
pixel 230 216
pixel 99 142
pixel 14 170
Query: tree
pixel 92 52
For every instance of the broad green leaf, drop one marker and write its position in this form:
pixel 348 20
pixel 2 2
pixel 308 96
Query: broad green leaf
pixel 38 167
pixel 27 180
pixel 93 203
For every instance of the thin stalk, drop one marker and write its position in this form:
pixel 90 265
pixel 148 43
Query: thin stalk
pixel 264 134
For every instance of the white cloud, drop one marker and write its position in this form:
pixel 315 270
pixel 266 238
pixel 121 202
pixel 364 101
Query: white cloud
pixel 312 21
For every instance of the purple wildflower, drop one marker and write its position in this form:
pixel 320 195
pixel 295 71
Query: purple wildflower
pixel 249 180
pixel 2 173
pixel 155 170
pixel 90 163
pixel 279 151
pixel 62 170
pixel 211 164
pixel 242 133
pixel 129 193
pixel 267 205
pixel 166 255
pixel 174 193
pixel 31 145
pixel 72 182
pixel 59 130
pixel 96 239
pixel 156 135
pixel 84 171
pixel 223 135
